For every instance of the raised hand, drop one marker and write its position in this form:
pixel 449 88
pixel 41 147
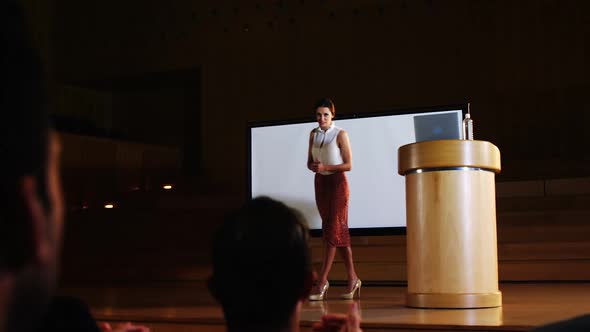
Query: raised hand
pixel 123 327
pixel 350 322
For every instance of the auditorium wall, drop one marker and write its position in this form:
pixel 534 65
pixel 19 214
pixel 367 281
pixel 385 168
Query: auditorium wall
pixel 520 63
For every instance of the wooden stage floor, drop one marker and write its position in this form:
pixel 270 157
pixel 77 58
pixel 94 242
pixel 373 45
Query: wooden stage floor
pixel 189 307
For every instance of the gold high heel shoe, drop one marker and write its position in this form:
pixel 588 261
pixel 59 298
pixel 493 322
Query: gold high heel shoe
pixel 350 296
pixel 323 293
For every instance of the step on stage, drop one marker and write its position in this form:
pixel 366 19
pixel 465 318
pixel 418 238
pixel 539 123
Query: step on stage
pixel 184 308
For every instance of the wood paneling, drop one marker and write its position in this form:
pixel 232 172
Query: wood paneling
pixel 539 238
pixel 93 152
pixel 96 170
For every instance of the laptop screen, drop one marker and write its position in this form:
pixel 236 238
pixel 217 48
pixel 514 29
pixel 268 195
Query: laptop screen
pixel 437 126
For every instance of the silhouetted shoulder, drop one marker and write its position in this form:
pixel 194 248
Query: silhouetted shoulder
pixel 576 324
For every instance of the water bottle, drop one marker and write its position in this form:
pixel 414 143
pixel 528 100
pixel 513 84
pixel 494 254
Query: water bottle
pixel 468 125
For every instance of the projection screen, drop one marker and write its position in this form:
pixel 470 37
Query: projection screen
pixel 278 165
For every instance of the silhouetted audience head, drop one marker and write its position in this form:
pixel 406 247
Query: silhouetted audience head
pixel 30 192
pixel 261 266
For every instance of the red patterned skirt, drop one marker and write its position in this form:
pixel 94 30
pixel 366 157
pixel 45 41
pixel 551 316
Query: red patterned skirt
pixel 331 197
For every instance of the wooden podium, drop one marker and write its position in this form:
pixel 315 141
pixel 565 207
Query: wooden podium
pixel 451 223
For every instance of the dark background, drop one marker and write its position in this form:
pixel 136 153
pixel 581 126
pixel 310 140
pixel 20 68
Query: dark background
pixel 191 74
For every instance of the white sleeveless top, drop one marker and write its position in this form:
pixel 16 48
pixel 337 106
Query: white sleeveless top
pixel 325 147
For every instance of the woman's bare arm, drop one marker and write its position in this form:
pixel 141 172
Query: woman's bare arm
pixel 310 162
